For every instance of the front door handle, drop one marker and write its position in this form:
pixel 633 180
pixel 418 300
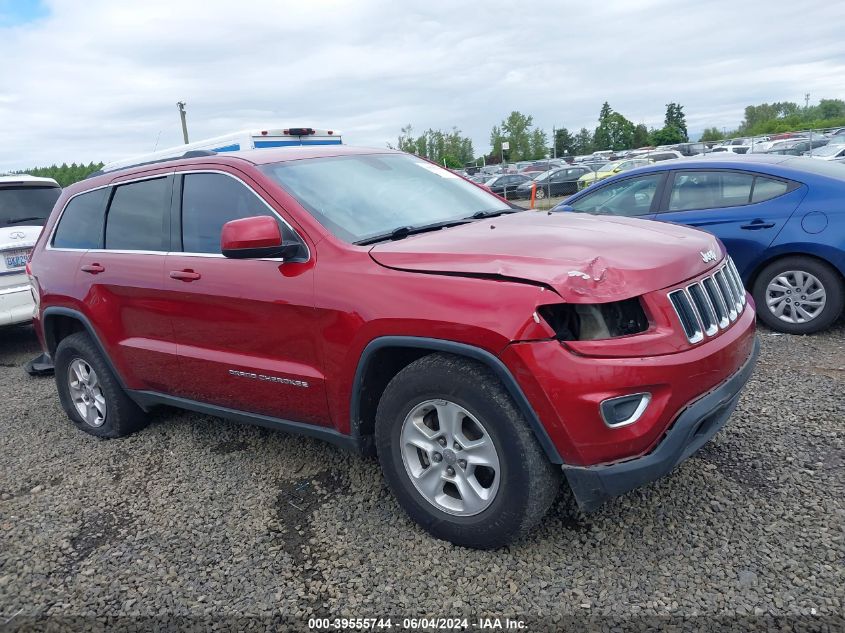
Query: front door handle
pixel 756 225
pixel 93 268
pixel 184 275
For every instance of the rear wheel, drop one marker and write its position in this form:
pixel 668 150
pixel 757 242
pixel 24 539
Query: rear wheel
pixel 798 295
pixel 90 392
pixel 459 456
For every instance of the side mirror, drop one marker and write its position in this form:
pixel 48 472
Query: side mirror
pixel 255 238
pixel 563 208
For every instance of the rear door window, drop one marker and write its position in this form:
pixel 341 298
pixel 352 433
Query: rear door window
pixel 81 224
pixel 138 216
pixel 709 190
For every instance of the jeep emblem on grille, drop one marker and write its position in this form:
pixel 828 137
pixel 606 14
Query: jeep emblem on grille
pixel 708 256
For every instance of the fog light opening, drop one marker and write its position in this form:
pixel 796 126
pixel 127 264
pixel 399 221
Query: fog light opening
pixel 624 410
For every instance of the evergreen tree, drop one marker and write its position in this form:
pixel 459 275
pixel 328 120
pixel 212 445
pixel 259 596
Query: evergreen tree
pixel 640 137
pixel 564 143
pixel 583 143
pixel 675 118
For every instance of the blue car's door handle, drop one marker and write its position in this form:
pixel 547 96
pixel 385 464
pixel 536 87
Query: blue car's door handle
pixel 756 225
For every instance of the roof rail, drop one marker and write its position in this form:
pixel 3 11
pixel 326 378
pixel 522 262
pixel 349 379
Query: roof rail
pixel 194 153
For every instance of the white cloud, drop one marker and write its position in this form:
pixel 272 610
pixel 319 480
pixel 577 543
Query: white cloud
pixel 99 80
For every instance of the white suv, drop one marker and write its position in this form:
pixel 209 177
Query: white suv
pixel 25 204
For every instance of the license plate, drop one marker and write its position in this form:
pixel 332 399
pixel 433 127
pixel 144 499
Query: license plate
pixel 16 259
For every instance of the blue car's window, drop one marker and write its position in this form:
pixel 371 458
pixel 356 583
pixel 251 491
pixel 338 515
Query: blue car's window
pixel 767 188
pixel 630 197
pixel 709 190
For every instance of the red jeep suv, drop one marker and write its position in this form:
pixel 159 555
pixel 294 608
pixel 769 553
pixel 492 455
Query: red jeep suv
pixel 378 301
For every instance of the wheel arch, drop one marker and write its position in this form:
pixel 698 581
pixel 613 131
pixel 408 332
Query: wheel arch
pixel 58 323
pixel 384 357
pixel 791 252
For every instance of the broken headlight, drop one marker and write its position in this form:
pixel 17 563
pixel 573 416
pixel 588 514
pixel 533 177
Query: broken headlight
pixel 593 321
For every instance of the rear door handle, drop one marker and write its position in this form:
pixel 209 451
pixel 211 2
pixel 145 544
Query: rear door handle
pixel 756 225
pixel 184 275
pixel 93 268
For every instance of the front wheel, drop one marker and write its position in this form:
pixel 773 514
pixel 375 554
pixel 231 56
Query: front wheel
pixel 540 194
pixel 798 295
pixel 459 456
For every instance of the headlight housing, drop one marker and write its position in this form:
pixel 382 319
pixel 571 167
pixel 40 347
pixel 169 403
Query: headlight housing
pixel 594 321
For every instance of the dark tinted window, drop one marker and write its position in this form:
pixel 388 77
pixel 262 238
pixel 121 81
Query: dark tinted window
pixel 136 216
pixel 26 206
pixel 208 202
pixel 709 190
pixel 81 225
pixel 768 188
pixel 629 197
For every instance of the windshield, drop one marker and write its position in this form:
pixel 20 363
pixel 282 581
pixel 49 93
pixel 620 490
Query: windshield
pixel 609 166
pixel 362 196
pixel 545 175
pixel 27 206
pixel 828 150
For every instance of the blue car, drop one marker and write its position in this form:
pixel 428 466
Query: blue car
pixel 781 218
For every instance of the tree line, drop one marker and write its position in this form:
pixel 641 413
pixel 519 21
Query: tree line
pixel 63 174
pixel 613 132
pixel 783 116
pixel 525 141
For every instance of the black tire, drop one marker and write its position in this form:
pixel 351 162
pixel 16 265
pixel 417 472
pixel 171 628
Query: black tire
pixel 122 416
pixel 528 481
pixel 828 278
pixel 540 193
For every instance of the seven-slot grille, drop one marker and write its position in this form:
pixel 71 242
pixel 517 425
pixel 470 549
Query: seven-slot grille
pixel 710 304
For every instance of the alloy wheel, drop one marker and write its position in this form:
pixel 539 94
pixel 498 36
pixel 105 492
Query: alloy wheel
pixel 86 393
pixel 796 296
pixel 450 458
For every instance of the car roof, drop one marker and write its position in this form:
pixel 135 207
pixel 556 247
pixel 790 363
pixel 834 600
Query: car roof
pixel 798 168
pixel 25 180
pixel 232 159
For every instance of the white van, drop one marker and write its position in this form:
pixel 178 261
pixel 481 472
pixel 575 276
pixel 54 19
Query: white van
pixel 238 141
pixel 25 205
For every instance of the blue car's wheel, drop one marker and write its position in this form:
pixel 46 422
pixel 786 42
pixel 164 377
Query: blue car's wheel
pixel 798 295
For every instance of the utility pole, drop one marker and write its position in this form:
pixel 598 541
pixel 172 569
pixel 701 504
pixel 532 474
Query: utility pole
pixel 181 106
pixel 806 100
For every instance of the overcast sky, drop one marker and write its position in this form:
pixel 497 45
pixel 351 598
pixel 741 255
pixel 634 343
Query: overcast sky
pixel 88 80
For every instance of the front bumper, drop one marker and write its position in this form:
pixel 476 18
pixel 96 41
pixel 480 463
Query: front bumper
pixel 16 305
pixel 694 427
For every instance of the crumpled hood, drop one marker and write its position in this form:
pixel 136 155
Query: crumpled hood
pixel 583 257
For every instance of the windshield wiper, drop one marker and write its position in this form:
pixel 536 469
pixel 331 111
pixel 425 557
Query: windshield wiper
pixel 492 213
pixel 19 220
pixel 404 231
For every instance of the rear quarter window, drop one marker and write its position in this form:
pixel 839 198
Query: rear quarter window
pixel 768 188
pixel 81 224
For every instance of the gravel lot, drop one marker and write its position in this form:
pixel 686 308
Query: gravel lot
pixel 196 516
